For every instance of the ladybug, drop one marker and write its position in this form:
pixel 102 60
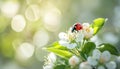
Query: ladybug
pixel 77 27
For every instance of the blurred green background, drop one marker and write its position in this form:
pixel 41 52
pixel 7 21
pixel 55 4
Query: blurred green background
pixel 26 26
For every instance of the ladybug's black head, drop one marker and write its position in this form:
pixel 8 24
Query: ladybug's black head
pixel 73 28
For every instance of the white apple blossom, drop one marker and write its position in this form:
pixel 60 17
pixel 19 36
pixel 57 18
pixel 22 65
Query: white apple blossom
pixel 101 57
pixel 51 59
pixel 87 30
pixel 111 65
pixel 106 56
pixel 65 40
pixel 96 54
pixel 85 65
pixel 74 60
pixel 92 61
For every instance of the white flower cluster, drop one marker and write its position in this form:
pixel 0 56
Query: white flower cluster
pixel 101 60
pixel 70 38
pixel 98 60
pixel 51 59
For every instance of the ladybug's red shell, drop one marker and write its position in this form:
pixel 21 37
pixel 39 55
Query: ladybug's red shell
pixel 77 27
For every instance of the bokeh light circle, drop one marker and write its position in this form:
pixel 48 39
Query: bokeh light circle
pixel 40 54
pixel 18 23
pixel 32 13
pixel 24 51
pixel 51 17
pixel 41 38
pixel 10 8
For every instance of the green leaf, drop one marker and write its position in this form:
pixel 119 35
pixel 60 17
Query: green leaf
pixel 105 46
pixel 61 63
pixel 62 53
pixel 57 46
pixel 59 50
pixel 59 67
pixel 98 24
pixel 88 48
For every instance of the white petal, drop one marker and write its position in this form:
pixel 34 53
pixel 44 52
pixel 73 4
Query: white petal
pixel 101 67
pixel 71 36
pixel 74 60
pixel 52 57
pixel 85 25
pixel 106 55
pixel 111 65
pixel 63 36
pixel 85 65
pixel 88 32
pixel 79 36
pixel 63 43
pixel 71 46
pixel 48 67
pixel 96 54
pixel 118 59
pixel 92 61
pixel 91 30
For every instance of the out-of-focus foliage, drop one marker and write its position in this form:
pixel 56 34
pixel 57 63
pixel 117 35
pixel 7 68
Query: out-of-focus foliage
pixel 26 26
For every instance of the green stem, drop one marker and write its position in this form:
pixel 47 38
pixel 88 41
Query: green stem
pixel 80 50
pixel 73 52
pixel 79 54
pixel 82 44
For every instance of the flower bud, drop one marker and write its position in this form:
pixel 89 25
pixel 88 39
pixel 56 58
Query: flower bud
pixel 111 65
pixel 85 65
pixel 73 60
